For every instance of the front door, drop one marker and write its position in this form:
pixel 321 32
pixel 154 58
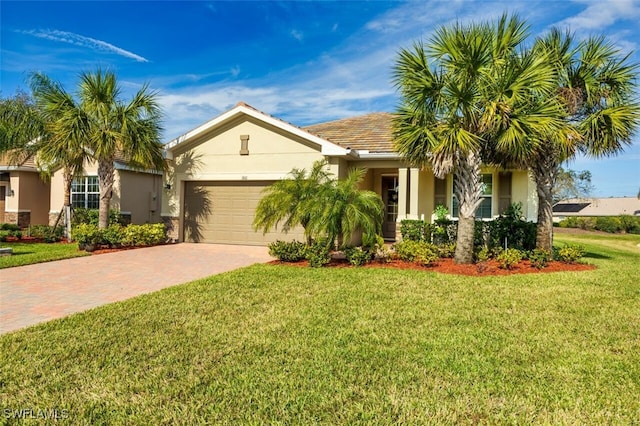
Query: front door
pixel 390 199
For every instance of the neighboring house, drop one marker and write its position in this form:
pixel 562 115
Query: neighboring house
pixel 24 195
pixel 217 172
pixel 136 194
pixel 612 206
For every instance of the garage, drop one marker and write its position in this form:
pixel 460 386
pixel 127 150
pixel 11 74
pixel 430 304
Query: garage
pixel 222 212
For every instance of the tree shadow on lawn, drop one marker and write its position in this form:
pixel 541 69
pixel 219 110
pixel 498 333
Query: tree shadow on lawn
pixel 592 255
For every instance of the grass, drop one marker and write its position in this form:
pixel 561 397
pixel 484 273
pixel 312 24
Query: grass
pixel 278 344
pixel 29 253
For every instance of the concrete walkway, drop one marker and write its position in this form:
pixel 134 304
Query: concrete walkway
pixel 37 293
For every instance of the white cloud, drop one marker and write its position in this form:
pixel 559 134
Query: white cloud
pixel 602 14
pixel 298 35
pixel 82 41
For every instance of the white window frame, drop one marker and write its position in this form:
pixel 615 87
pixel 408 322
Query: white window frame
pixel 484 196
pixel 85 182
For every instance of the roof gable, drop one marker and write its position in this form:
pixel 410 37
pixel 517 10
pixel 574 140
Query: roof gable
pixel 370 132
pixel 326 147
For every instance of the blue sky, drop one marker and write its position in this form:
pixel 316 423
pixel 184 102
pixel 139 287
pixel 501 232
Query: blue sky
pixel 303 62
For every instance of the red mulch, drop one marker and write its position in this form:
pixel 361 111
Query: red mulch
pixel 448 266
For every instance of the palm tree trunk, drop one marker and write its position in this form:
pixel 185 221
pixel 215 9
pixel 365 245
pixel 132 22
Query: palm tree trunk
pixel 468 189
pixel 105 180
pixel 545 171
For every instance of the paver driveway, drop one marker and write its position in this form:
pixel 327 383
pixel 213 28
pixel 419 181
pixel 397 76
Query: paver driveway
pixel 36 293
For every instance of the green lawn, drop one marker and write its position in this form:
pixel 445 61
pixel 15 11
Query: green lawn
pixel 28 253
pixel 290 345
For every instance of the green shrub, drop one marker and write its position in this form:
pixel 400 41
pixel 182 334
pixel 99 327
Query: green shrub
pixel 358 256
pixel 112 235
pixel 143 235
pixel 570 253
pixel 3 235
pixel 539 258
pixel 483 254
pixel 509 258
pixel 288 251
pixel 413 230
pixel 318 254
pixel 586 223
pixel 630 224
pixel 569 222
pixel 86 233
pixel 416 251
pixel 610 224
pixel 90 216
pixel 47 233
pixel 447 250
pixel 9 227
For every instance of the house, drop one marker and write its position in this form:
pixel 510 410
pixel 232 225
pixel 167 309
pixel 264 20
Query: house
pixel 24 195
pixel 28 199
pixel 217 172
pixel 136 194
pixel 612 206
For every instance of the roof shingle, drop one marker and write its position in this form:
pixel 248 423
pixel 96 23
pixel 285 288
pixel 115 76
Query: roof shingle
pixel 370 132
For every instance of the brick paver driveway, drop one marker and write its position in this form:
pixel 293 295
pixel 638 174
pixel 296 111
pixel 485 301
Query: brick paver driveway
pixel 36 293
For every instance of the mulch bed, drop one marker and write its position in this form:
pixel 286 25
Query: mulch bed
pixel 448 266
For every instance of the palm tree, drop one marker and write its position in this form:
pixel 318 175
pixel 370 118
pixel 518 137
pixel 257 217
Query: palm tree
pixel 597 89
pixel 290 201
pixel 62 142
pixel 132 129
pixel 464 97
pixel 20 125
pixel 341 209
pixel 100 124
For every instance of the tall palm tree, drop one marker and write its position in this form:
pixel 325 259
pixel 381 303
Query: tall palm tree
pixel 598 92
pixel 289 201
pixel 98 124
pixel 469 91
pixel 62 143
pixel 131 129
pixel 20 125
pixel 341 209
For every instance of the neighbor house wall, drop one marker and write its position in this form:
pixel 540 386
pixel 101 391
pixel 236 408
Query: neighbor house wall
pixel 26 199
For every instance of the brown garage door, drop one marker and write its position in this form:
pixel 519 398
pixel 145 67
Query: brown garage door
pixel 222 212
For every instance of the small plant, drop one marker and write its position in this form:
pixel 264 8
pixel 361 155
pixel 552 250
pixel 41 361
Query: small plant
pixel 113 235
pixel 447 250
pixel 85 233
pixel 570 253
pixel 288 251
pixel 539 258
pixel 358 256
pixel 47 233
pixel 4 234
pixel 413 230
pixel 441 212
pixel 416 251
pixel 318 254
pixel 143 235
pixel 483 255
pixel 509 258
pixel 9 227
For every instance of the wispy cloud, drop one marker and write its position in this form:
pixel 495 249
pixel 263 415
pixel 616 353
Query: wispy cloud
pixel 82 41
pixel 298 35
pixel 600 15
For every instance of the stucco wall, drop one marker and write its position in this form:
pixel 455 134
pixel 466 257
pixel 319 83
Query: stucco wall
pixel 57 185
pixel 136 193
pixel 34 196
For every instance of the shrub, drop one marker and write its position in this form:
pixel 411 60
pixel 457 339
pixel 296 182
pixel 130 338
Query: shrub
pixel 285 251
pixel 539 258
pixel 416 251
pixel 570 253
pixel 509 258
pixel 447 250
pixel 90 216
pixel 3 235
pixel 86 233
pixel 630 224
pixel 608 224
pixel 413 230
pixel 318 254
pixel 112 235
pixel 569 222
pixel 586 223
pixel 483 255
pixel 9 227
pixel 358 256
pixel 47 233
pixel 143 235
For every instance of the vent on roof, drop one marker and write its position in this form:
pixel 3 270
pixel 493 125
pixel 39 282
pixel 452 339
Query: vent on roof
pixel 569 207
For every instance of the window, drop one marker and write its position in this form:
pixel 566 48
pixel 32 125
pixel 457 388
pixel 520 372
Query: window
pixel 484 211
pixel 85 192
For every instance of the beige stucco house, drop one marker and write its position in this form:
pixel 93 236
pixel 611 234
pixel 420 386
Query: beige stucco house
pixel 136 194
pixel 217 171
pixel 24 196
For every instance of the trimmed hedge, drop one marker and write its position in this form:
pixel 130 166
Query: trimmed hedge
pixel 117 235
pixel 612 224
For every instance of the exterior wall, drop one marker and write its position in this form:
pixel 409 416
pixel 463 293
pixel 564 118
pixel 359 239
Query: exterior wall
pixel 29 203
pixel 57 186
pixel 139 194
pixel 523 190
pixel 216 157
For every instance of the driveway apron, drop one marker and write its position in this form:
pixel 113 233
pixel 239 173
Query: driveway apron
pixel 36 293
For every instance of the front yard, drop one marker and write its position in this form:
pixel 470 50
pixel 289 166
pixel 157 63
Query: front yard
pixel 29 253
pixel 332 345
